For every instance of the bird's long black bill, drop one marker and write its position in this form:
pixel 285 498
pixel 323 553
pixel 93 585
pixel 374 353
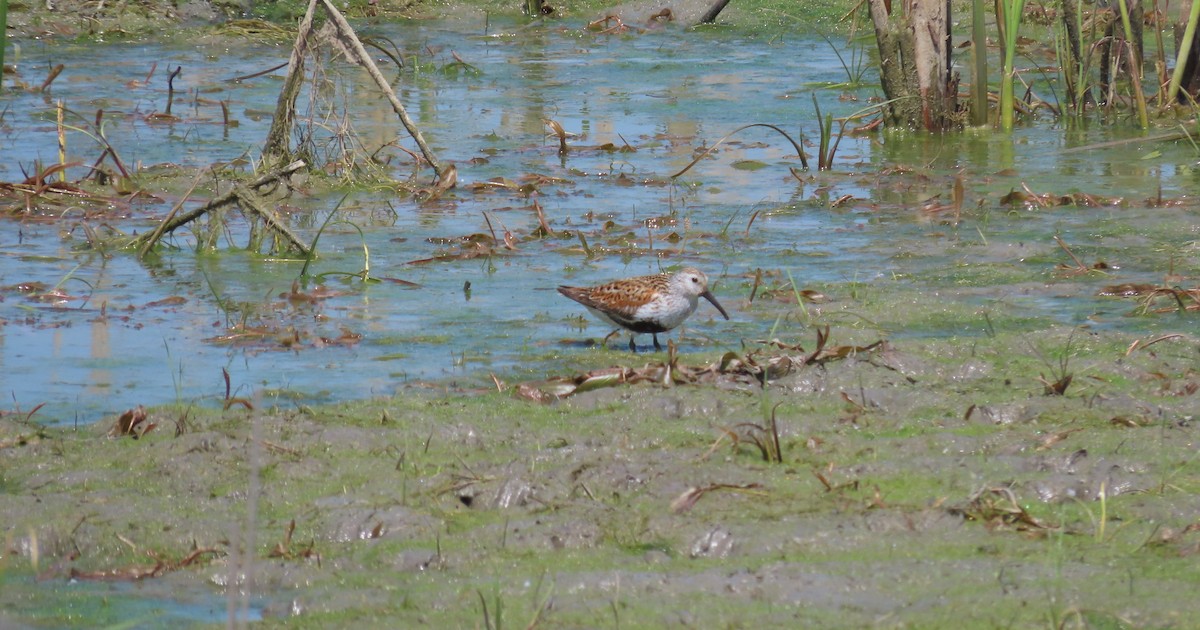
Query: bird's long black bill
pixel 709 296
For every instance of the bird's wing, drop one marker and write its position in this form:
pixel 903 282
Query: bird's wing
pixel 621 298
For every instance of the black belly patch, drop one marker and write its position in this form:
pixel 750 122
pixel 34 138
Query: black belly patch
pixel 644 326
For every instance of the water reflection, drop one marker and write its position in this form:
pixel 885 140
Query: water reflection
pixel 170 328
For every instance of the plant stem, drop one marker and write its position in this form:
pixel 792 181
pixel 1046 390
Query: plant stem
pixel 1135 66
pixel 979 88
pixel 3 38
pixel 1012 21
pixel 1185 48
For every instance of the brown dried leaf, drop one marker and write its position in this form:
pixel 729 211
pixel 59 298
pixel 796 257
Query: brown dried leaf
pixel 560 132
pixel 136 573
pixel 1057 388
pixel 159 117
pixel 26 287
pixel 478 250
pixel 529 391
pixel 597 379
pixel 495 183
pixel 175 300
pixel 825 482
pixel 1054 438
pixel 997 507
pixel 688 499
pixel 543 227
pixel 685 501
pixel 246 404
pixel 403 283
pixel 1127 289
pixel 127 423
pixel 1128 422
pixel 447 179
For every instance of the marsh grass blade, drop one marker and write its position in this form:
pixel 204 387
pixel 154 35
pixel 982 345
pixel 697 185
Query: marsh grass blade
pixel 1010 22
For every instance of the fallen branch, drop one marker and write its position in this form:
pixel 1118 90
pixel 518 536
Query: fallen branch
pixel 349 44
pixel 249 200
pixel 240 193
pixel 363 58
pixel 711 14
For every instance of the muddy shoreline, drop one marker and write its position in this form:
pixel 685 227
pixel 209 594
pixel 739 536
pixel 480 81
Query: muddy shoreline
pixel 929 484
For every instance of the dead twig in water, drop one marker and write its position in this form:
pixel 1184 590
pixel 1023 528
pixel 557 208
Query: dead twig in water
pixel 240 192
pixel 350 44
pixel 561 133
pixel 250 200
pixel 1079 266
pixel 158 231
pixel 1138 342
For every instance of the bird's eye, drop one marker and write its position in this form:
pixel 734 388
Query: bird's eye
pixel 695 279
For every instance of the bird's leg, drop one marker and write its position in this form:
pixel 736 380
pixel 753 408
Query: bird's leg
pixel 632 347
pixel 604 344
pixel 657 347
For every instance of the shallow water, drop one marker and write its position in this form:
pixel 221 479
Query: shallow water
pixel 112 343
pixel 160 603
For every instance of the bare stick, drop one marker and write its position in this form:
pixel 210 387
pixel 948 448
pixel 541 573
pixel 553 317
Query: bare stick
pixel 285 107
pixel 171 223
pixel 150 241
pixel 251 201
pixel 364 59
pixel 711 14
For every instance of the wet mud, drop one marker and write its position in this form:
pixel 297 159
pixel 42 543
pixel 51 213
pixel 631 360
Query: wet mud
pixel 930 483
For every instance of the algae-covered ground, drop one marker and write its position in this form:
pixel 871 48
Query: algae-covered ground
pixel 923 483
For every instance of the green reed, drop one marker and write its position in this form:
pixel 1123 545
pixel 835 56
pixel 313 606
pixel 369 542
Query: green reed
pixel 979 87
pixel 1135 65
pixel 1185 46
pixel 1010 22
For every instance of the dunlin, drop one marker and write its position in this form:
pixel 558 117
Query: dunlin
pixel 646 304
